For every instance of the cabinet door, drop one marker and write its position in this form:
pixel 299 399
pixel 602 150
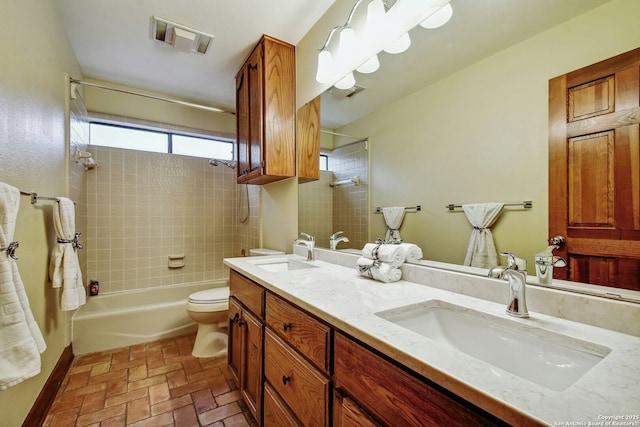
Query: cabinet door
pixel 347 413
pixel 242 124
pixel 256 112
pixel 251 382
pixel 308 138
pixel 235 339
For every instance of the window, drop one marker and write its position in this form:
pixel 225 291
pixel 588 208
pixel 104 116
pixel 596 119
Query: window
pixel 158 141
pixel 324 162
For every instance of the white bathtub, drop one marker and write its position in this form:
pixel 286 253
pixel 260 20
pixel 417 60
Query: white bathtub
pixel 133 317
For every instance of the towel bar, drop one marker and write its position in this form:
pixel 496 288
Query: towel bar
pixel 527 204
pixel 416 208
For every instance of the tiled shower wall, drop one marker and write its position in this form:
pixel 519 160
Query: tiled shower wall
pixel 315 208
pixel 350 202
pixel 143 207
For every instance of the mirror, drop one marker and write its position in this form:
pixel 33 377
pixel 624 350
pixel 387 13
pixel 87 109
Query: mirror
pixel 470 130
pixel 339 200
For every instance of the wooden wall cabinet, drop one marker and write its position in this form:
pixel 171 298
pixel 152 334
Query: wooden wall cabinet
pixel 265 113
pixel 308 137
pixel 246 340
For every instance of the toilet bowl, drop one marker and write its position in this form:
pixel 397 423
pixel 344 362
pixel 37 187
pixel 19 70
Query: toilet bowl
pixel 209 309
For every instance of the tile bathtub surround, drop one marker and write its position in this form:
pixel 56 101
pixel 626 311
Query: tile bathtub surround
pixel 154 384
pixel 143 207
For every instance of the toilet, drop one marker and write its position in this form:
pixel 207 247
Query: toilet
pixel 210 310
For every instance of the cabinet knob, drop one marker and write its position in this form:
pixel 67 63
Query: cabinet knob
pixel 285 379
pixel 235 318
pixel 286 326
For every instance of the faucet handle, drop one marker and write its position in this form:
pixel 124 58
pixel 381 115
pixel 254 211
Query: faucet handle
pixel 513 262
pixel 308 236
pixel 335 235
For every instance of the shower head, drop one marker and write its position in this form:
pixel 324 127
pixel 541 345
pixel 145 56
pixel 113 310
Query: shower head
pixel 228 163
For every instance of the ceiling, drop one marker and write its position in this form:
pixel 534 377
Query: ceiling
pixel 112 42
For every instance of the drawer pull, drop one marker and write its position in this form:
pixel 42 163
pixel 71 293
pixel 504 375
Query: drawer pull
pixel 286 326
pixel 235 318
pixel 285 379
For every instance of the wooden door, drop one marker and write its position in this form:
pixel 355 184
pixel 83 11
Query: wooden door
pixel 594 171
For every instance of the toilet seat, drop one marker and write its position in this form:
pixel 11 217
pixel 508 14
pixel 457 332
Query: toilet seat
pixel 210 296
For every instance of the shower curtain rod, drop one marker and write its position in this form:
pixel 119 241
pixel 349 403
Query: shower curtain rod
pixel 359 138
pixel 159 98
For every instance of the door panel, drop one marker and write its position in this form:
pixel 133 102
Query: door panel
pixel 594 171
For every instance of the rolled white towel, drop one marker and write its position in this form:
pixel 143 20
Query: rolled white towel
pixel 380 271
pixel 392 254
pixel 413 253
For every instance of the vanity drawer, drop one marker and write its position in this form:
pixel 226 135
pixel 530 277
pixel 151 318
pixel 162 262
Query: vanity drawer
pixel 276 412
pixel 301 386
pixel 304 333
pixel 247 292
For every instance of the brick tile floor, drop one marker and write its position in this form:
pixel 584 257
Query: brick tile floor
pixel 154 384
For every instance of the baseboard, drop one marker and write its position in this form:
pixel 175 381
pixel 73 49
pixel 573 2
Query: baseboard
pixel 40 408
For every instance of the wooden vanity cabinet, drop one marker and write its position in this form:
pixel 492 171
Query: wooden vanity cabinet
pixel 265 113
pixel 393 396
pixel 246 339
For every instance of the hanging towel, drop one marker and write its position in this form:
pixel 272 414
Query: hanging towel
pixel 20 337
pixel 393 217
pixel 482 250
pixel 380 271
pixel 64 268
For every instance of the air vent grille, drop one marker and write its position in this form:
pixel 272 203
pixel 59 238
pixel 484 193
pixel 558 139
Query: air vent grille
pixel 185 39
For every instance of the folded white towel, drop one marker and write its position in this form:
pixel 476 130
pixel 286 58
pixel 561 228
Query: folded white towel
pixel 392 254
pixel 64 268
pixel 22 341
pixel 380 271
pixel 413 253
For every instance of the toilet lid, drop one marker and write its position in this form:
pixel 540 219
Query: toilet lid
pixel 210 296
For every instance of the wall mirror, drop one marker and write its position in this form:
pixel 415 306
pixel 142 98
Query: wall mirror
pixel 412 165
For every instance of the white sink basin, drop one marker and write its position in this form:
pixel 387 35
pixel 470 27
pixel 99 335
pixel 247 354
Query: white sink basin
pixel 546 358
pixel 279 265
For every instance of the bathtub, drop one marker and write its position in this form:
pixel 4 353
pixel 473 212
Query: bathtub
pixel 133 317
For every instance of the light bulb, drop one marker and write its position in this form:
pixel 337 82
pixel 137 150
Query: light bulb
pixel 325 67
pixel 399 45
pixel 370 66
pixel 347 43
pixel 439 18
pixel 375 12
pixel 347 82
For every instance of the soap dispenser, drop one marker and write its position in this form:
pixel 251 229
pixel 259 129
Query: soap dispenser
pixel 545 261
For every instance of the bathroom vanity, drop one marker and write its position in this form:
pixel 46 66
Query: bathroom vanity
pixel 338 349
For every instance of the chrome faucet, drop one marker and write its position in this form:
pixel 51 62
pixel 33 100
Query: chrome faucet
pixel 309 243
pixel 516 274
pixel 334 240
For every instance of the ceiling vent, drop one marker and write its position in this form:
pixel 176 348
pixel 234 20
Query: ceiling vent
pixel 345 93
pixel 180 36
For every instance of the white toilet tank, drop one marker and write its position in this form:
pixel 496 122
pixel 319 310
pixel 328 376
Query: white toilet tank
pixel 264 251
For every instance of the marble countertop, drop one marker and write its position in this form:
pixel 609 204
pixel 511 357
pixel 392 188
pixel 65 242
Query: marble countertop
pixel 610 391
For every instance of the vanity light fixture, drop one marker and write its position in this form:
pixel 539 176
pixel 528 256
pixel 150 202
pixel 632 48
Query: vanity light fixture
pixel 366 34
